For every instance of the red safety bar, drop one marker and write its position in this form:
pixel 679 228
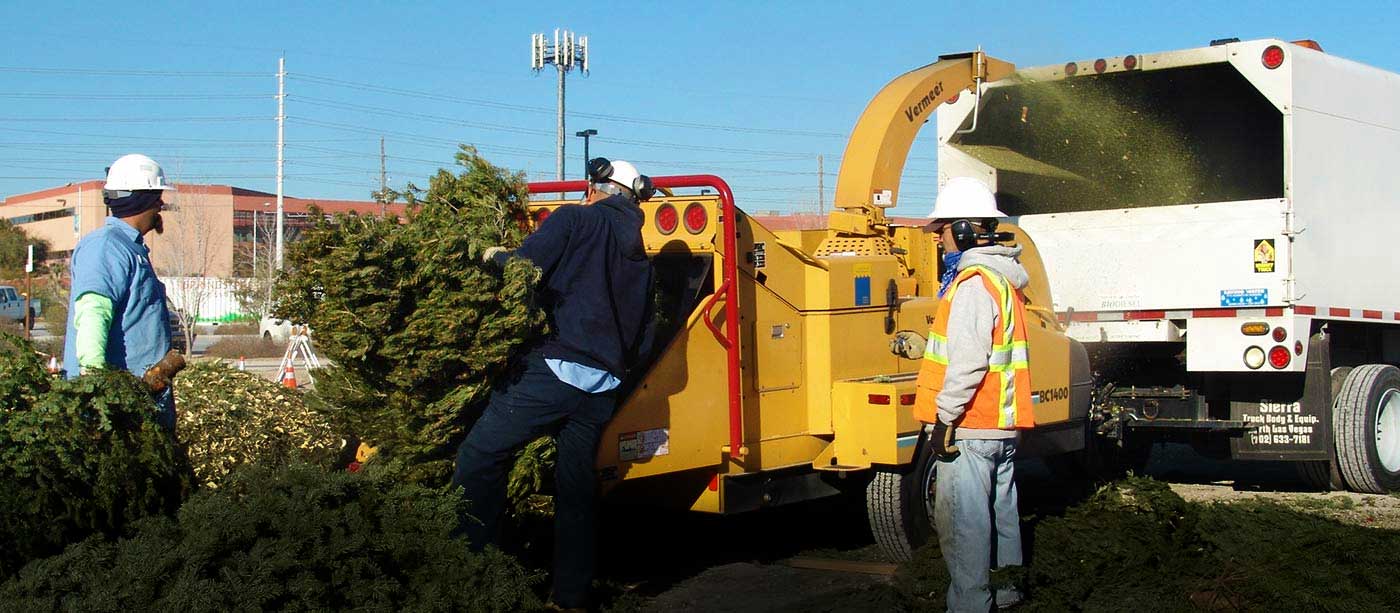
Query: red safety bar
pixel 728 289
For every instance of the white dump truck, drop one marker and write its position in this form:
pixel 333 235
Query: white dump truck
pixel 1218 225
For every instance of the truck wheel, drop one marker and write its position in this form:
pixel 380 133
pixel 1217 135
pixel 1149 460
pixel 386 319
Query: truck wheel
pixel 899 506
pixel 1366 429
pixel 1324 476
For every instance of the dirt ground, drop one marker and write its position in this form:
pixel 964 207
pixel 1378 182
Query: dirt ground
pixel 681 562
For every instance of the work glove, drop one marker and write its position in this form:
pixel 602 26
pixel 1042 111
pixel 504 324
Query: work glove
pixel 940 435
pixel 908 344
pixel 160 376
pixel 491 252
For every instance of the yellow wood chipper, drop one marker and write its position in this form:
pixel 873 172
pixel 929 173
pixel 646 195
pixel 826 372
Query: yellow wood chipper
pixel 772 380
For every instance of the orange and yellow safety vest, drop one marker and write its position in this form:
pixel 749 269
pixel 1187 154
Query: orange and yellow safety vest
pixel 1003 399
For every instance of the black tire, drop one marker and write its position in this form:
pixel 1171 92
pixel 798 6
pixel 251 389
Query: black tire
pixel 1324 476
pixel 1369 394
pixel 899 506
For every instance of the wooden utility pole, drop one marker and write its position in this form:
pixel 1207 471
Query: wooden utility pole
pixel 383 181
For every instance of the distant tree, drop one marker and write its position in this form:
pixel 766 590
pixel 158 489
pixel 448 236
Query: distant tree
pixel 14 245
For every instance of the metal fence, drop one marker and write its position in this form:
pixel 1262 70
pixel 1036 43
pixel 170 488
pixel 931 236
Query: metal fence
pixel 214 299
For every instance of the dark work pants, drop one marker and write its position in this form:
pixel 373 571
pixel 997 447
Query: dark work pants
pixel 533 403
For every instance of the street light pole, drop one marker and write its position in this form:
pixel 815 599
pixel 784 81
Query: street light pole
pixel 585 134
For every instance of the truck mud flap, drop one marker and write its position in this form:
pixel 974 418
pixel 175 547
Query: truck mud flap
pixel 1291 415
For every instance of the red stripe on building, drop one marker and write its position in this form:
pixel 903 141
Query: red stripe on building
pixel 1273 312
pixel 1081 316
pixel 1305 310
pixel 1397 316
pixel 1214 312
pixel 1369 314
pixel 1336 312
pixel 1145 315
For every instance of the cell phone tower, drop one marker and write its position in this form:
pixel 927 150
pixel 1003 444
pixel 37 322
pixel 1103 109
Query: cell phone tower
pixel 566 53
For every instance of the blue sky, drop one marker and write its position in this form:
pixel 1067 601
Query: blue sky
pixel 768 85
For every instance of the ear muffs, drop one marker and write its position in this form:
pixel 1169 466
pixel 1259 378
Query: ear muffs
pixel 964 234
pixel 599 169
pixel 642 188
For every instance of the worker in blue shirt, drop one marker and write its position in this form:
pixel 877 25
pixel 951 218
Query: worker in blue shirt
pixel 596 289
pixel 116 312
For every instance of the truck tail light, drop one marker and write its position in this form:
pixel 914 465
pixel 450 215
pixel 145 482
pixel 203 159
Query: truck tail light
pixel 1071 69
pixel 1100 65
pixel 1279 357
pixel 954 99
pixel 906 399
pixel 696 219
pixel 1254 358
pixel 667 219
pixel 1130 62
pixel 1298 347
pixel 1280 334
pixel 1273 57
pixel 878 398
pixel 1254 328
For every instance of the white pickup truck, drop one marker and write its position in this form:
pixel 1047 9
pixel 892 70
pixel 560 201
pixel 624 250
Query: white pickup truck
pixel 1218 228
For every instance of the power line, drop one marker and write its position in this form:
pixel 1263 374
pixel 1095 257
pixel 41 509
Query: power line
pixel 535 109
pixel 64 96
pixel 322 102
pixel 108 72
pixel 166 119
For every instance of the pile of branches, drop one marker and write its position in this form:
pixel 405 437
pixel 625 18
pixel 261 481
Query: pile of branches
pixel 77 457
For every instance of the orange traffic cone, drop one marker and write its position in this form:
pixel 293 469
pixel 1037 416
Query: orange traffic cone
pixel 53 365
pixel 289 377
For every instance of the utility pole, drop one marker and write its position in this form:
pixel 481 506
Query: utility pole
pixel 383 181
pixel 281 123
pixel 566 52
pixel 821 187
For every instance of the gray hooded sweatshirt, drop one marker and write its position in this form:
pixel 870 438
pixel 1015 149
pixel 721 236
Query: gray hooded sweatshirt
pixel 973 317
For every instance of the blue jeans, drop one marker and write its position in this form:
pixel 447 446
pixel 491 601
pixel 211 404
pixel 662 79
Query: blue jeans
pixel 979 525
pixel 533 402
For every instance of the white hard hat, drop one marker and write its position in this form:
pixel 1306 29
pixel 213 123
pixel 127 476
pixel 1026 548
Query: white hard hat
pixel 133 172
pixel 624 174
pixel 965 198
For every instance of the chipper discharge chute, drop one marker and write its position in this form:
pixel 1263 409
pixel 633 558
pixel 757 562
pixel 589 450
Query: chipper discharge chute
pixel 771 380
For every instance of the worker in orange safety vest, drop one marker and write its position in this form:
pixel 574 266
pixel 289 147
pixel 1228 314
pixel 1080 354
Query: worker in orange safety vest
pixel 974 394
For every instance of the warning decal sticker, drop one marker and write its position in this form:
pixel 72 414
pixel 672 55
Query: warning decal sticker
pixel 644 444
pixel 1264 255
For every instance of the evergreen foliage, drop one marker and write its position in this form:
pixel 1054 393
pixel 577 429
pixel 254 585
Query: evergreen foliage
pixel 417 326
pixel 77 457
pixel 296 539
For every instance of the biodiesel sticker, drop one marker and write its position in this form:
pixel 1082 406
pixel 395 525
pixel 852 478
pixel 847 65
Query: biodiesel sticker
pixel 1264 255
pixel 633 446
pixel 1244 297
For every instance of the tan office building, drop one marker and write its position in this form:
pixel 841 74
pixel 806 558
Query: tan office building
pixel 210 230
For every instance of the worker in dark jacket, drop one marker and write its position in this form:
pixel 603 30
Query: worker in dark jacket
pixel 596 289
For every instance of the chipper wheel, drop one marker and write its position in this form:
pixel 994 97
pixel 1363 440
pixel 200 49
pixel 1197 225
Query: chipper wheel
pixel 1366 429
pixel 899 505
